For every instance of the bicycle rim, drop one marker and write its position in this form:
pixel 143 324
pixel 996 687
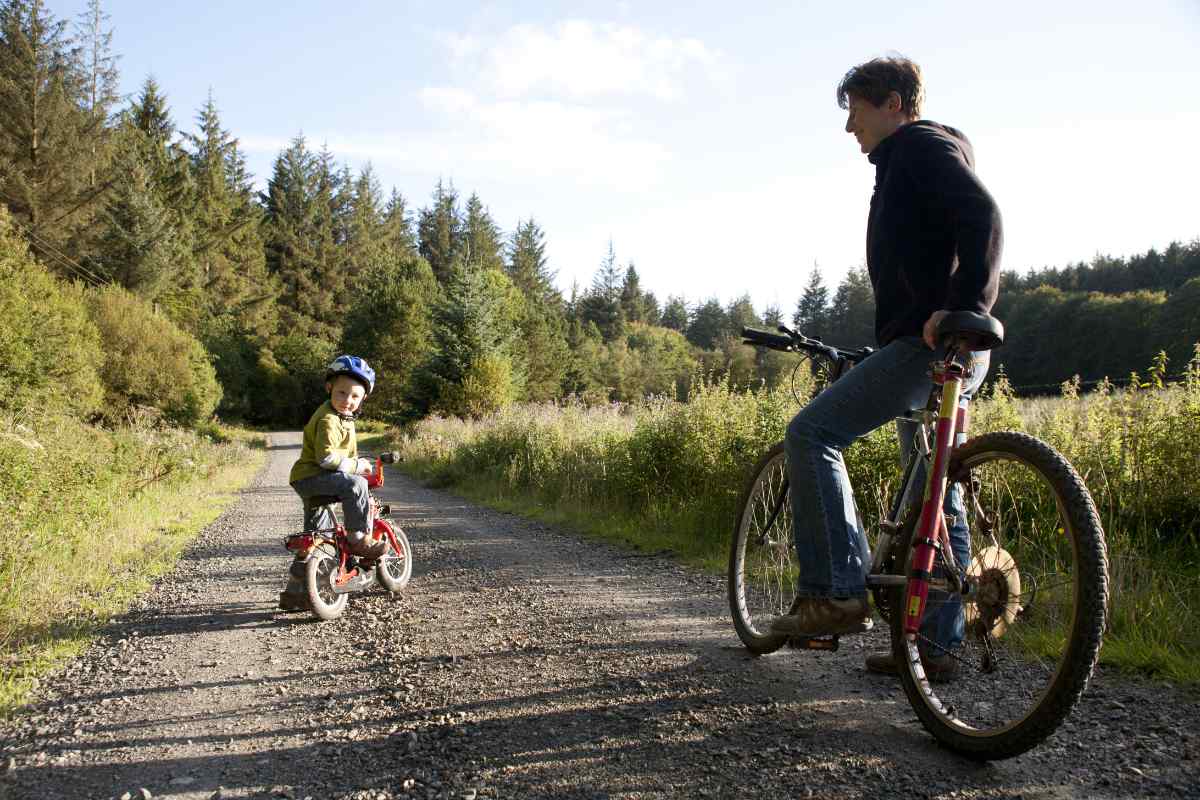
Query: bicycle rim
pixel 321 572
pixel 762 563
pixel 1033 616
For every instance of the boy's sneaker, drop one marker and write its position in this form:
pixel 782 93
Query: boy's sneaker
pixel 939 669
pixel 825 616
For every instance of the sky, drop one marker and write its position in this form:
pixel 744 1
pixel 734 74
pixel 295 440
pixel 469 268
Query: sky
pixel 702 139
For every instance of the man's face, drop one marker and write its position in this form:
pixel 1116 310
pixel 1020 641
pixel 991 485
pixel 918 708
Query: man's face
pixel 345 394
pixel 871 124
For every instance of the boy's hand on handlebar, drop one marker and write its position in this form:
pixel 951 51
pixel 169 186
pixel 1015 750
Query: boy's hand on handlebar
pixel 365 467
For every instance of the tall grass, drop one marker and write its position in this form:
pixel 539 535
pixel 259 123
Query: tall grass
pixel 667 475
pixel 93 516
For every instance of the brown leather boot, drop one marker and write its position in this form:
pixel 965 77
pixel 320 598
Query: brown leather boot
pixel 939 669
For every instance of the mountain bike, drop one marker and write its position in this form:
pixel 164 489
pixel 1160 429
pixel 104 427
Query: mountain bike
pixel 332 572
pixel 1032 596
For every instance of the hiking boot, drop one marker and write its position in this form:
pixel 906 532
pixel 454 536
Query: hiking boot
pixel 938 669
pixel 294 596
pixel 825 616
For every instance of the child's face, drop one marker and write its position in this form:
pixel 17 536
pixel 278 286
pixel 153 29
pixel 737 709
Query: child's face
pixel 345 394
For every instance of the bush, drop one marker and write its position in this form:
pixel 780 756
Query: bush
pixel 49 348
pixel 149 361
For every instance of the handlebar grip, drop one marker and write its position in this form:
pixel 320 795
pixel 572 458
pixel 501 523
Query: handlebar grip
pixel 390 457
pixel 766 339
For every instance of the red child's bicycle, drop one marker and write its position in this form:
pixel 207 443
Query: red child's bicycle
pixel 332 572
pixel 1029 601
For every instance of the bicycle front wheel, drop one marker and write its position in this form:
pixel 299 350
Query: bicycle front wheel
pixel 762 560
pixel 997 666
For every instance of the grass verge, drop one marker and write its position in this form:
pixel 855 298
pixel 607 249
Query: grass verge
pixel 91 541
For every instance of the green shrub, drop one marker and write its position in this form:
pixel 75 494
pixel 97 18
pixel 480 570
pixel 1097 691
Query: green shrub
pixel 49 348
pixel 149 361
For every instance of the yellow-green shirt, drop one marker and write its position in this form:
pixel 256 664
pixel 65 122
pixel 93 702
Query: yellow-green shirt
pixel 328 439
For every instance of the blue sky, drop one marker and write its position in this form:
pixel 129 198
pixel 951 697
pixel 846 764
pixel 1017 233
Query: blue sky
pixel 703 138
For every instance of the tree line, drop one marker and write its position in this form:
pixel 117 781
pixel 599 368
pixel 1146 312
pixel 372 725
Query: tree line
pixel 458 315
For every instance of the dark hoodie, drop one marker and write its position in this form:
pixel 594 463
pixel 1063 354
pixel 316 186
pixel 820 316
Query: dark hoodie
pixel 933 236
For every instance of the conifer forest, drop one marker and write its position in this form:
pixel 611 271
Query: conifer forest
pixel 140 212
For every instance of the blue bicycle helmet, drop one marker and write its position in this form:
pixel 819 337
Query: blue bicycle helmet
pixel 353 366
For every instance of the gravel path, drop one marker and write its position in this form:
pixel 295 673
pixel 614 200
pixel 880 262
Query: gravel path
pixel 520 662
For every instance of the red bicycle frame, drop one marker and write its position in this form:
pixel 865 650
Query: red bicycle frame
pixel 931 536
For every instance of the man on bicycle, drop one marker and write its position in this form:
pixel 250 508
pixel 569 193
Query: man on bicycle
pixel 933 246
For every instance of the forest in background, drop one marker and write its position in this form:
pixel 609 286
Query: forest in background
pixel 153 222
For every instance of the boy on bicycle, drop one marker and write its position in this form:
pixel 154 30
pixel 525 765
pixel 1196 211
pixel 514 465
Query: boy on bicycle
pixel 933 246
pixel 329 466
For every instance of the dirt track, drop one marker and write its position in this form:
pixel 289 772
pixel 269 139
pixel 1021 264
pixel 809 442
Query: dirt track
pixel 521 662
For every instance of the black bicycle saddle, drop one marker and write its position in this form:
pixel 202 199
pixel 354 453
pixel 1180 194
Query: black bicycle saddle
pixel 978 331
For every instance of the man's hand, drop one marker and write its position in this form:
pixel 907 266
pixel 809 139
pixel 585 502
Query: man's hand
pixel 930 331
pixel 365 467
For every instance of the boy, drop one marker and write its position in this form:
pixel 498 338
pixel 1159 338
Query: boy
pixel 329 465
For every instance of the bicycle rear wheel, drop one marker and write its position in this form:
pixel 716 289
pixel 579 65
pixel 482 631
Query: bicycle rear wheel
pixel 762 561
pixel 1033 615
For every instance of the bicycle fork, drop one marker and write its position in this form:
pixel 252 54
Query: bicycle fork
pixel 929 533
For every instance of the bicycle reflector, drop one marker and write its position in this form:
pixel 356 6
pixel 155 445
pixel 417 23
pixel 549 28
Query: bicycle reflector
pixel 299 542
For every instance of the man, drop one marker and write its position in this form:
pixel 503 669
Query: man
pixel 933 246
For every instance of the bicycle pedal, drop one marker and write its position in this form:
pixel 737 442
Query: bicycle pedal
pixel 828 643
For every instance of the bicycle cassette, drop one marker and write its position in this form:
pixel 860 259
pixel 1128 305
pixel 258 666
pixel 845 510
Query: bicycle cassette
pixel 997 600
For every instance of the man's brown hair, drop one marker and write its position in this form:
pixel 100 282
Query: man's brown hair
pixel 879 77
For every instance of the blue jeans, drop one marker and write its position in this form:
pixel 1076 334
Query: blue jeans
pixel 350 489
pixel 830 542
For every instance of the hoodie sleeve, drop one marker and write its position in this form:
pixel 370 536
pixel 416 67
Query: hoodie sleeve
pixel 942 166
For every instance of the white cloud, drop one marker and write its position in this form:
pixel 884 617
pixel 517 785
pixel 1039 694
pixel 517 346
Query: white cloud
pixel 564 104
pixel 582 59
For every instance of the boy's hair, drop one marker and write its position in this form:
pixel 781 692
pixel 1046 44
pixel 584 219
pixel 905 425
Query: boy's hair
pixel 879 77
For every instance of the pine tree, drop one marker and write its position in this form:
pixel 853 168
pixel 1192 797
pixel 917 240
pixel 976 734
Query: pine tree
pixel 398 233
pixel 391 325
pixel 543 326
pixel 440 232
pixel 741 314
pixel 142 244
pixel 482 238
pixel 366 226
pixel 474 369
pixel 708 325
pixel 812 309
pixel 638 305
pixel 101 81
pixel 302 205
pixel 601 304
pixel 675 314
pixel 231 269
pixel 852 313
pixel 47 134
pixel 527 264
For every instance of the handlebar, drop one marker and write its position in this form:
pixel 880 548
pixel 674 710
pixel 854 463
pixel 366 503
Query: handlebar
pixel 793 341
